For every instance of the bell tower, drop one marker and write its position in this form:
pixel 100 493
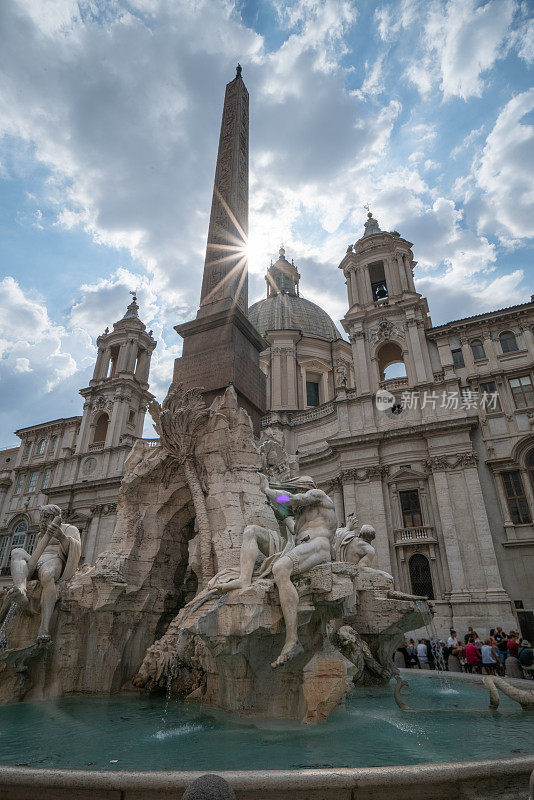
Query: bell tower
pixel 117 396
pixel 387 318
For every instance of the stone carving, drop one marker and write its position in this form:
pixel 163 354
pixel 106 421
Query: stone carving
pixel 385 329
pixel 525 697
pixel 178 422
pixel 309 537
pixel 355 548
pixel 441 463
pixel 358 651
pixel 374 472
pixel 102 404
pixel 55 558
pixel 341 376
pixel 104 509
pixel 276 463
pixel 89 465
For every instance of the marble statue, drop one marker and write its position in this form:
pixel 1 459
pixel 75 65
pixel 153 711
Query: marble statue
pixel 55 558
pixel 356 548
pixel 310 525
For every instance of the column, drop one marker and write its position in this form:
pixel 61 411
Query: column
pixel 381 543
pixel 409 273
pixel 417 353
pixel 349 495
pixel 468 355
pixel 324 393
pixel 392 278
pixel 356 339
pixel 97 372
pixel 450 537
pixel 402 272
pixel 337 496
pixel 483 533
pixel 365 283
pixel 276 378
pixel 291 378
pixel 104 364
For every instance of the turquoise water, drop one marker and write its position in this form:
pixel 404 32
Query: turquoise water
pixel 131 732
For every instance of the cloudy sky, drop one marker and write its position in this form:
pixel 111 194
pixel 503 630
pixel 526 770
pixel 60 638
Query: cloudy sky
pixel 109 122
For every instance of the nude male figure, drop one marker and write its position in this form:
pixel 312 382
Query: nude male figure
pixel 314 528
pixel 357 548
pixel 56 556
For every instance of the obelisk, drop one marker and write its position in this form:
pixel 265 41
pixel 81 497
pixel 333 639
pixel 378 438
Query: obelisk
pixel 221 346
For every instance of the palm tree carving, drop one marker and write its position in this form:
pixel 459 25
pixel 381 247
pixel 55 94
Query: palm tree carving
pixel 178 421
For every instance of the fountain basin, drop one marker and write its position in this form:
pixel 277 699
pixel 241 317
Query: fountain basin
pixel 127 744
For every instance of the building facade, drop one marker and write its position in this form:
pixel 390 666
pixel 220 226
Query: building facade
pixel 78 462
pixel 424 431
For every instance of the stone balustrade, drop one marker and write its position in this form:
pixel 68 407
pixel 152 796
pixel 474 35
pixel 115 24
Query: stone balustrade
pixel 97 446
pixel 394 383
pixel 423 533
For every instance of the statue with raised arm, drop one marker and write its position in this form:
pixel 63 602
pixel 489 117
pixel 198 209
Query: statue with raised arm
pixel 310 521
pixel 55 558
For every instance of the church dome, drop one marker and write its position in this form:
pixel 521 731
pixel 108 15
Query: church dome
pixel 284 309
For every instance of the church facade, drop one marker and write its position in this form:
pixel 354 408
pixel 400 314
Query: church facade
pixel 426 432
pixel 78 462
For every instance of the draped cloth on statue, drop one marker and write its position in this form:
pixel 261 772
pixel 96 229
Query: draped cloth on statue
pixel 340 543
pixel 278 546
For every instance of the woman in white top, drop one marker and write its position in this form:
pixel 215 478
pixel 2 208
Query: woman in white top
pixel 489 657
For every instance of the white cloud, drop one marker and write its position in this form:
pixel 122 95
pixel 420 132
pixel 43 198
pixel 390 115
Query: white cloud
pixel 505 171
pixel 30 342
pixel 461 42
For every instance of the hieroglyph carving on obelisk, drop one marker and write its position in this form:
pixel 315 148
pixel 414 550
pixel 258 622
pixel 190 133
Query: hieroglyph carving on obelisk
pixel 225 280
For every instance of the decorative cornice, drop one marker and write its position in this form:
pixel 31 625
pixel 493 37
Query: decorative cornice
pixel 373 472
pixel 442 463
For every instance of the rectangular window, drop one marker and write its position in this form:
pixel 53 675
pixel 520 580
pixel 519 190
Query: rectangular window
pixel 458 358
pixel 19 483
pixel 489 396
pixel 411 508
pixel 46 479
pixel 32 483
pixel 522 391
pixel 515 497
pixel 30 544
pixel 52 443
pixel 312 393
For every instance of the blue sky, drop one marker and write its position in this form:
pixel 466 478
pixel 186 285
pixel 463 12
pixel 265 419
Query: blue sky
pixel 109 120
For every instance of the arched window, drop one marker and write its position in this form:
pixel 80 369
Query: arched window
pixel 19 534
pixel 101 429
pixel 391 362
pixel 477 349
pixel 420 576
pixel 508 342
pixel 530 466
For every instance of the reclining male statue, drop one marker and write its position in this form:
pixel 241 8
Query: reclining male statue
pixel 56 556
pixel 309 538
pixel 356 548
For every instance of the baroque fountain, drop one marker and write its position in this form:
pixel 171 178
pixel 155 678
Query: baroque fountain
pixel 229 613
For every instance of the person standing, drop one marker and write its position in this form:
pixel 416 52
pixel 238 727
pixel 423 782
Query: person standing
pixel 490 658
pixel 513 644
pixel 502 647
pixel 422 654
pixel 472 656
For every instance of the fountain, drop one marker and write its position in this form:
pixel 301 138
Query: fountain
pixel 229 603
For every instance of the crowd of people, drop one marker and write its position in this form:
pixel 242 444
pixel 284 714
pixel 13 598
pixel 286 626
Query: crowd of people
pixel 473 653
